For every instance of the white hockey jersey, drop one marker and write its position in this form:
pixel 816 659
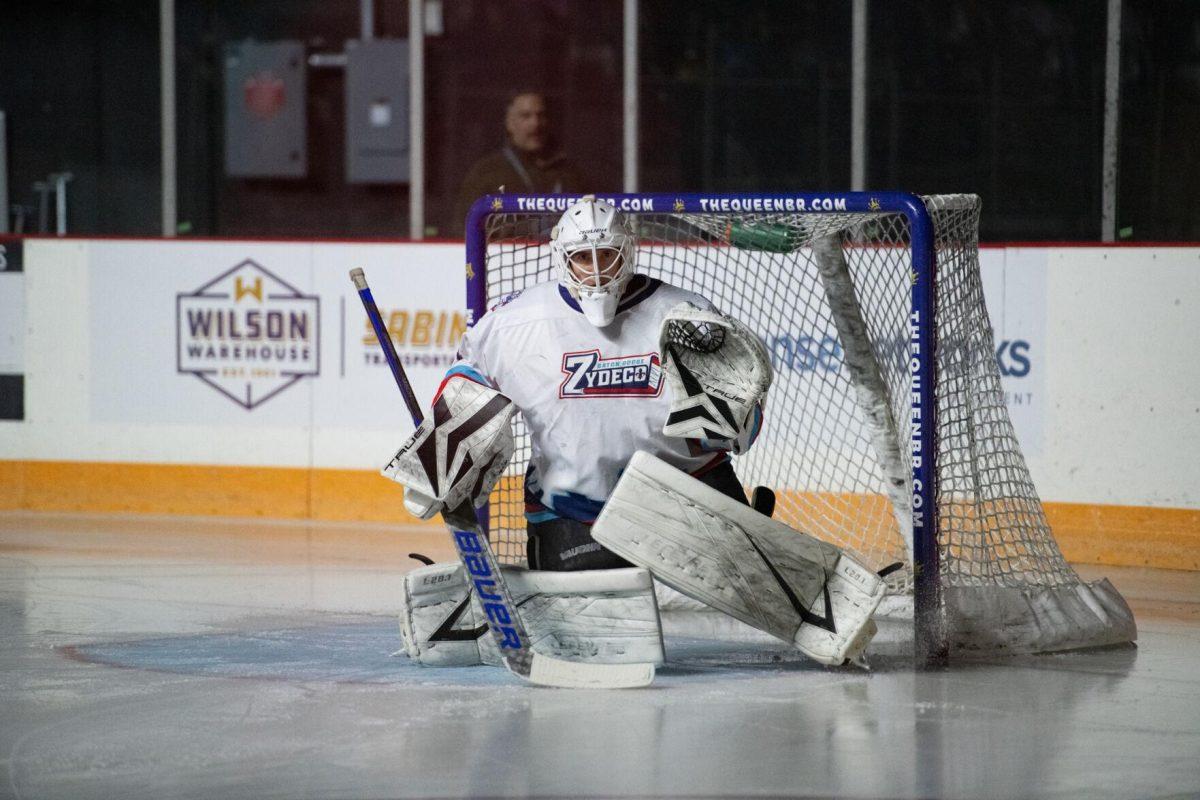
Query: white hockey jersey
pixel 591 397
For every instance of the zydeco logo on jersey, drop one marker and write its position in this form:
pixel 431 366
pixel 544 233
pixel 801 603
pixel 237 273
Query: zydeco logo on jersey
pixel 590 375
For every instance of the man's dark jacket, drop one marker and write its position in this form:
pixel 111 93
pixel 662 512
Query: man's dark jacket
pixel 517 172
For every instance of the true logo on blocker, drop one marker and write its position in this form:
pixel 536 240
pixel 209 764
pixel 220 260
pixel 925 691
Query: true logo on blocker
pixel 248 334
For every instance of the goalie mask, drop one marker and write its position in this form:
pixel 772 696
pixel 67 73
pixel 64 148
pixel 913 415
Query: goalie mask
pixel 593 248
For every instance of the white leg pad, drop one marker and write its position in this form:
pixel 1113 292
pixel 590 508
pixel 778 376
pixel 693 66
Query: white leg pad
pixel 598 616
pixel 728 556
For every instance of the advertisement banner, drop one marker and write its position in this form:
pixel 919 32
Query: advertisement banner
pixel 265 334
pixel 272 335
pixel 12 308
pixel 1014 288
pixel 224 333
pixel 421 296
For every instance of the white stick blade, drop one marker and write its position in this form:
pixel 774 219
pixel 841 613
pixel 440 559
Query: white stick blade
pixel 547 671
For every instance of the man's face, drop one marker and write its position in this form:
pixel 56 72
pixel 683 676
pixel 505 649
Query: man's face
pixel 526 122
pixel 597 271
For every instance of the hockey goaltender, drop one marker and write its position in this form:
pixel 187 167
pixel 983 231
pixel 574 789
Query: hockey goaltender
pixel 630 486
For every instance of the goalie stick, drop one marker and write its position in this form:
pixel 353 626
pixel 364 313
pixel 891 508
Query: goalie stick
pixel 477 557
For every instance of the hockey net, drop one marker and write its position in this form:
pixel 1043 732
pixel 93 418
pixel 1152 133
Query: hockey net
pixel 829 293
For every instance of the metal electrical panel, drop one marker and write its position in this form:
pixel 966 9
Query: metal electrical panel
pixel 377 141
pixel 265 120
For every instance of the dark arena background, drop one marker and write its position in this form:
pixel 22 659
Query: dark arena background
pixel 966 234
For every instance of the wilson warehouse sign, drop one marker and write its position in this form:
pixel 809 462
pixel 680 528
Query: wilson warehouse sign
pixel 248 334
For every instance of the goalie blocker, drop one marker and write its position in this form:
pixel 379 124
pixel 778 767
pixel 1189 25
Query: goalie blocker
pixel 732 558
pixel 457 454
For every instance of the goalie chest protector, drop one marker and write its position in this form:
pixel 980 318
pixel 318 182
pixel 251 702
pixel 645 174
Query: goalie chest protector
pixel 592 397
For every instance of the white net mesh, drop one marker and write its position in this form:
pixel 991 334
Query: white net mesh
pixel 835 443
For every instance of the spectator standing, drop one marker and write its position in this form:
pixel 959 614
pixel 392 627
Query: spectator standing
pixel 529 162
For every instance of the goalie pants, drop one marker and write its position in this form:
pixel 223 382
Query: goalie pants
pixel 564 544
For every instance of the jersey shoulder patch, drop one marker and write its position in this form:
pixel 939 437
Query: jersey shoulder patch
pixel 528 305
pixel 508 298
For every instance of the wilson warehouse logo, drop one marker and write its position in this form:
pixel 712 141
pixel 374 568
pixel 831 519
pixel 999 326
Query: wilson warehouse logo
pixel 248 334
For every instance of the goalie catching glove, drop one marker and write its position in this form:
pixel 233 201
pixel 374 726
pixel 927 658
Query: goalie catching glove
pixel 718 371
pixel 458 453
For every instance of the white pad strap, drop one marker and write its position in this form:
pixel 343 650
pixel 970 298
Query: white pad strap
pixel 598 616
pixel 718 371
pixel 458 452
pixel 743 563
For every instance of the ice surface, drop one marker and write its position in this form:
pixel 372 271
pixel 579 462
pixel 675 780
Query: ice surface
pixel 176 658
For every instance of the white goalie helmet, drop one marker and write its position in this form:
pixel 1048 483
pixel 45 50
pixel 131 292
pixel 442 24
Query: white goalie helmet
pixel 593 247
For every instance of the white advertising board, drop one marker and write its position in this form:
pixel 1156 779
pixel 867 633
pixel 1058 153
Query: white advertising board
pixel 12 309
pixel 265 334
pixel 1014 288
pixel 12 323
pixel 272 335
pixel 1099 370
pixel 421 294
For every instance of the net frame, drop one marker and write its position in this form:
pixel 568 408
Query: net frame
pixel 908 222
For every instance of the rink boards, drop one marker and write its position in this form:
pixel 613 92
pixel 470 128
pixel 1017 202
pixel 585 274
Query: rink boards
pixel 239 379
